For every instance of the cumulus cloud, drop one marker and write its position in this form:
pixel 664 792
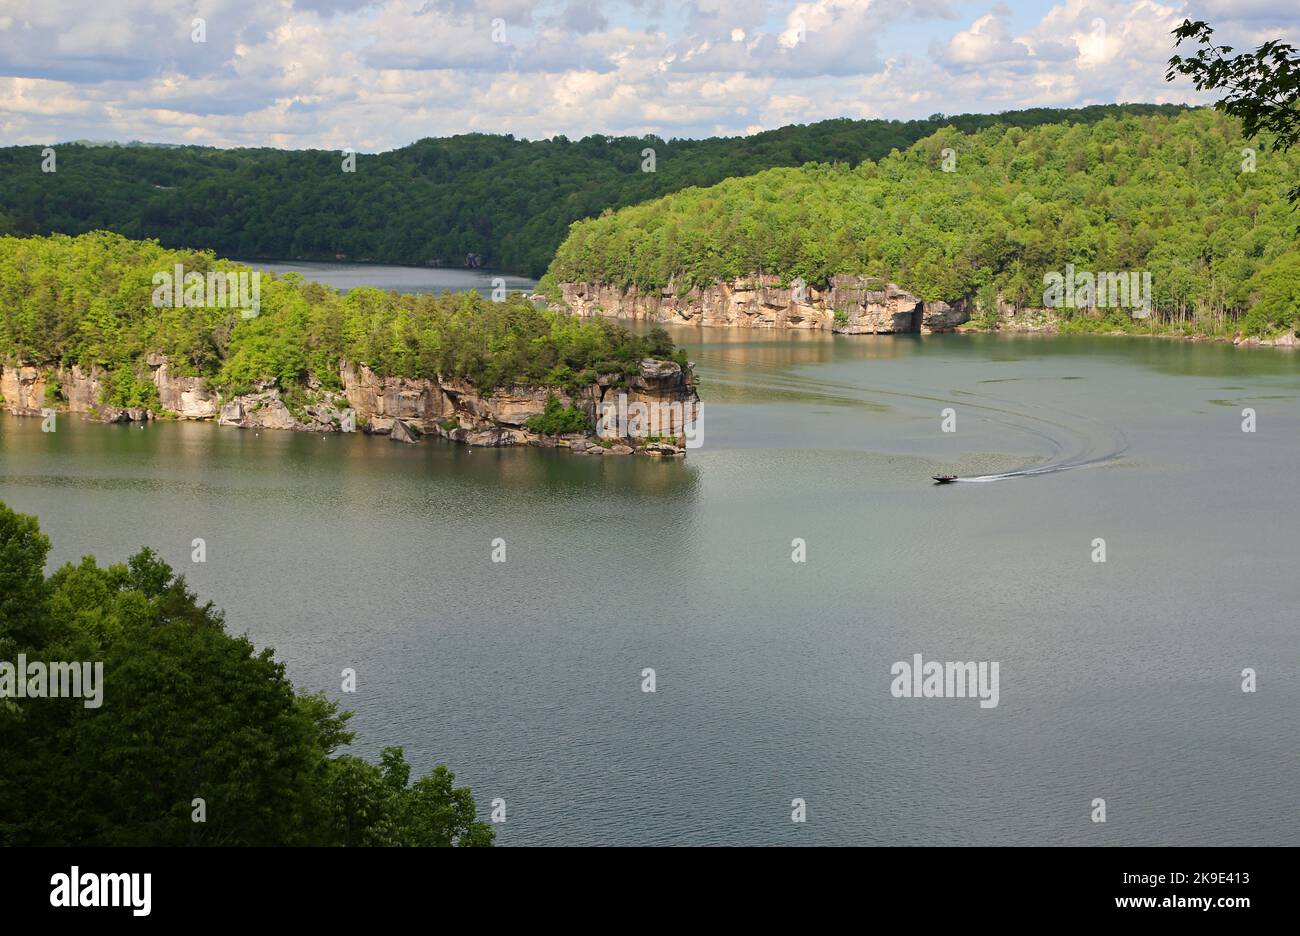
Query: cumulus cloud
pixel 986 42
pixel 374 74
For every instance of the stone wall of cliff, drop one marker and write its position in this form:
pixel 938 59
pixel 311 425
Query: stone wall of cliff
pixel 403 408
pixel 851 305
pixel 457 410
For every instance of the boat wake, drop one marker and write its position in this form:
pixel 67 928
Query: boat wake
pixel 1040 469
pixel 1075 441
pixel 1083 442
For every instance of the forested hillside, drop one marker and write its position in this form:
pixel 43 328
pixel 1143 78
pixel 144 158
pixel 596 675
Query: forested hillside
pixel 1173 196
pixel 91 300
pixel 509 201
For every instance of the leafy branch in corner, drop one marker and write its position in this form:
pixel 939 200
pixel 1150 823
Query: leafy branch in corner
pixel 1263 87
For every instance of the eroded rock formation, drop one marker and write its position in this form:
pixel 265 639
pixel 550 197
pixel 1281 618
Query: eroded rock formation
pixel 852 305
pixel 403 408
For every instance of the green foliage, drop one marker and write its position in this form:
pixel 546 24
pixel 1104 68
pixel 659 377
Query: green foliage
pixel 23 590
pixel 1278 288
pixel 986 306
pixel 1263 87
pixel 88 300
pixel 547 287
pixel 188 711
pixel 1166 195
pixel 433 201
pixel 376 806
pixel 558 419
pixel 125 388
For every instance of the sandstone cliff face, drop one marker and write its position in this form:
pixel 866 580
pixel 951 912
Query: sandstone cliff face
pixel 187 397
pixel 865 306
pixel 457 410
pixel 381 400
pixel 81 388
pixel 265 410
pixel 23 388
pixel 403 408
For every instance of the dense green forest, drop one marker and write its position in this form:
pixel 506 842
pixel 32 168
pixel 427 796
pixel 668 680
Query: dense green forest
pixel 186 712
pixel 509 201
pixel 1171 195
pixel 89 300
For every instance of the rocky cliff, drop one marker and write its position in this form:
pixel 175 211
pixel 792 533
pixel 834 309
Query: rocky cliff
pixel 23 389
pixel 402 408
pixel 851 305
pixel 457 410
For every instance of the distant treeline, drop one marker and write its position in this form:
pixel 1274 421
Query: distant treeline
pixel 438 200
pixel 960 216
pixel 92 300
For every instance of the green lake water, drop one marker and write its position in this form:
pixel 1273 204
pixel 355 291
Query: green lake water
pixel 1119 680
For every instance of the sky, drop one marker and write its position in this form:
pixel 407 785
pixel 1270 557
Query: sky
pixel 372 75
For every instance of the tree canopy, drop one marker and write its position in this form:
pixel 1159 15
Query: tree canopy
pixel 437 200
pixel 89 300
pixel 1173 196
pixel 1263 87
pixel 188 712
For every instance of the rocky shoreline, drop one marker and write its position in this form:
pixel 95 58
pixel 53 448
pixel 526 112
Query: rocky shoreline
pixel 1286 340
pixel 404 409
pixel 852 305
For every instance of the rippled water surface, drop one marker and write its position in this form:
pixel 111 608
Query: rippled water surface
pixel 1118 680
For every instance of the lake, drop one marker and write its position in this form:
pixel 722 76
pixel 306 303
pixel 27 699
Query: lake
pixel 1118 680
pixel 400 278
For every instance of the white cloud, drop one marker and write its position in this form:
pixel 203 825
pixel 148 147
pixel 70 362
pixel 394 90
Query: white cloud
pixel 374 74
pixel 985 42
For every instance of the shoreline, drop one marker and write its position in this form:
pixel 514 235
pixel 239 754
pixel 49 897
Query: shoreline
pixel 848 305
pixel 1287 340
pixel 404 409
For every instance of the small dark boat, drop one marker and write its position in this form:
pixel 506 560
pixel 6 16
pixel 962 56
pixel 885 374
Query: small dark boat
pixel 944 479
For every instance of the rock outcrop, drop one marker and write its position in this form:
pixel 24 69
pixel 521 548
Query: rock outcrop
pixel 1287 340
pixel 187 397
pixel 403 408
pixel 23 389
pixel 378 401
pixel 851 305
pixel 401 432
pixel 1014 318
pixel 457 410
pixel 79 391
